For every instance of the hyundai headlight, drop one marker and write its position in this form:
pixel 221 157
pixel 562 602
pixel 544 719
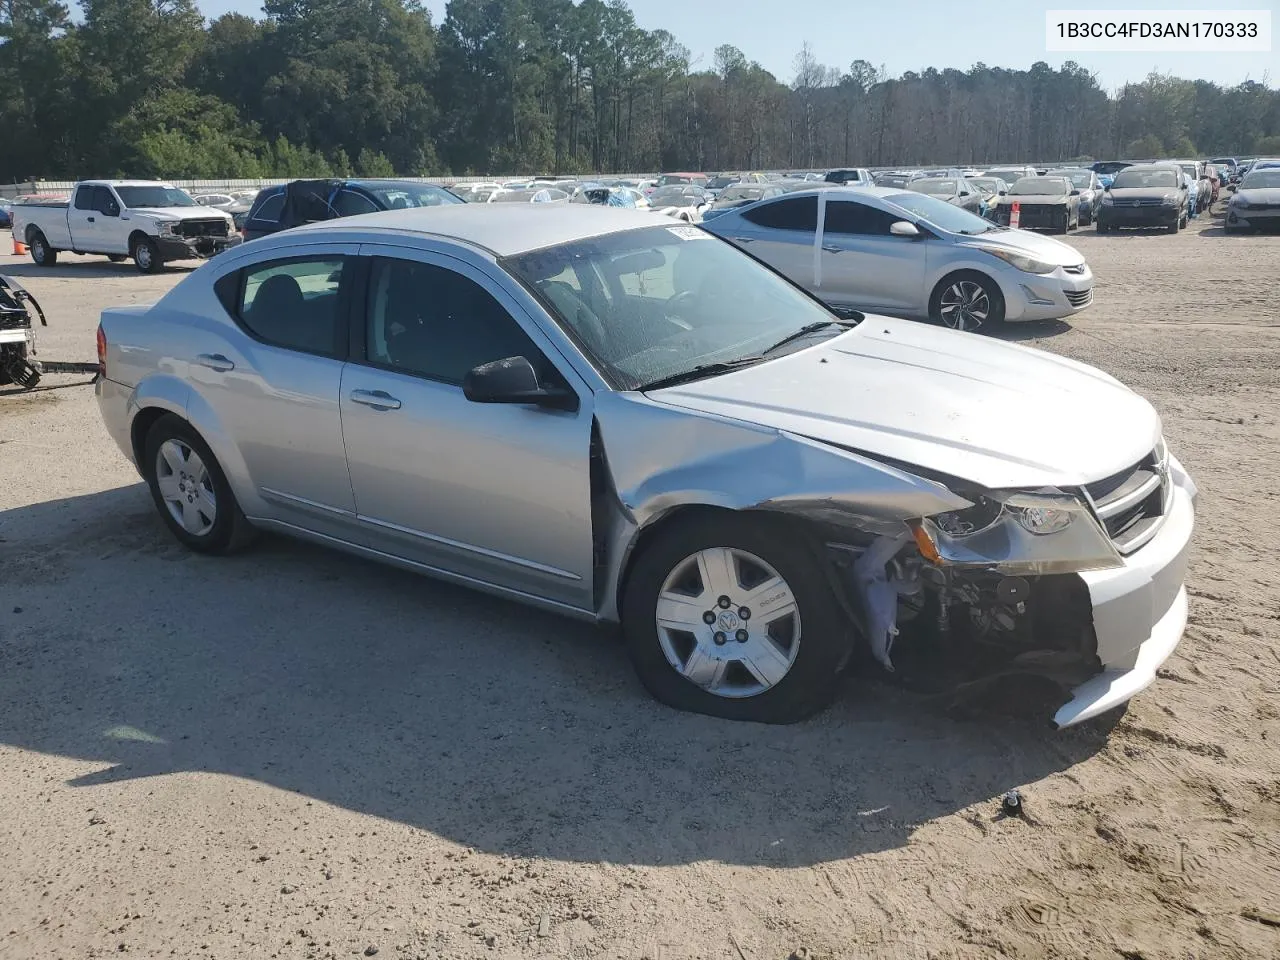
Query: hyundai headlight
pixel 1020 261
pixel 1018 533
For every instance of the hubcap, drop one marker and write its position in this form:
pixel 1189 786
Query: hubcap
pixel 143 255
pixel 965 305
pixel 728 622
pixel 186 488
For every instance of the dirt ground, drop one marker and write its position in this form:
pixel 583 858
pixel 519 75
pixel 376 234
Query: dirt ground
pixel 295 754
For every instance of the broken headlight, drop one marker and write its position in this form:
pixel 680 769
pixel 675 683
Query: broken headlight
pixel 1018 533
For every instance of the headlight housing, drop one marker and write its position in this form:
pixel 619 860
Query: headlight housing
pixel 1107 199
pixel 1170 201
pixel 1018 533
pixel 169 228
pixel 1020 261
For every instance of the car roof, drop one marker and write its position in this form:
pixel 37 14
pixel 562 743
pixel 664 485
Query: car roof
pixel 503 229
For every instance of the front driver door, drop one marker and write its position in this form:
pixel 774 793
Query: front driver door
pixel 864 265
pixel 495 493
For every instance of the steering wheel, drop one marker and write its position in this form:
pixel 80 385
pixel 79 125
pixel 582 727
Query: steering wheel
pixel 674 304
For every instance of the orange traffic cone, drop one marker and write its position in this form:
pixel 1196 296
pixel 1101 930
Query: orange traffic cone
pixel 19 248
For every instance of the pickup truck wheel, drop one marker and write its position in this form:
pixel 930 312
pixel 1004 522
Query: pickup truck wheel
pixel 191 491
pixel 146 255
pixel 42 255
pixel 731 616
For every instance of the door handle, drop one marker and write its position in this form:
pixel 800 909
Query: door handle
pixel 215 361
pixel 90 219
pixel 832 248
pixel 743 239
pixel 378 399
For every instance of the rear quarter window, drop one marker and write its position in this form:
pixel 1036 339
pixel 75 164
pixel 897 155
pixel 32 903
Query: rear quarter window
pixel 268 208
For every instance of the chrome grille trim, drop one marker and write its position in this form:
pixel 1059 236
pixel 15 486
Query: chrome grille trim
pixel 1132 504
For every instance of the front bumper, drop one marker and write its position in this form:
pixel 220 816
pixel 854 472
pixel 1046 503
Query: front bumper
pixel 1254 217
pixel 195 248
pixel 1139 611
pixel 1031 296
pixel 1115 215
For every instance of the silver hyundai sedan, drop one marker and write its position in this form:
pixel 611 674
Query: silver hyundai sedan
pixel 627 420
pixel 911 255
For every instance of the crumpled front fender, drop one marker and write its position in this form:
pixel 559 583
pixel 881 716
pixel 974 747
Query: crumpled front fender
pixel 661 458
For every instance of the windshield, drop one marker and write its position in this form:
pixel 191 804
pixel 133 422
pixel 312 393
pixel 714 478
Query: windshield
pixel 656 302
pixel 1130 178
pixel 719 183
pixel 1007 175
pixel 396 196
pixel 946 188
pixel 941 214
pixel 987 184
pixel 669 178
pixel 891 180
pixel 1264 179
pixel 1040 187
pixel 742 193
pixel 143 197
pixel 1080 179
pixel 676 197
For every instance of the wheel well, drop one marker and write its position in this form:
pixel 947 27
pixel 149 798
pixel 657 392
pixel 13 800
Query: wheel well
pixel 135 236
pixel 141 426
pixel 32 230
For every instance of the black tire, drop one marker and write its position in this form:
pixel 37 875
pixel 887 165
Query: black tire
pixel 230 530
pixel 1102 227
pixel 992 289
pixel 117 257
pixel 146 255
pixel 826 638
pixel 42 255
pixel 1175 226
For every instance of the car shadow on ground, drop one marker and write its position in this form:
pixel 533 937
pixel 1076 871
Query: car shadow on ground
pixel 89 268
pixel 484 722
pixel 1033 330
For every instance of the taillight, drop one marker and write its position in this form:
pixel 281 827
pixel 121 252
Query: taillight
pixel 102 352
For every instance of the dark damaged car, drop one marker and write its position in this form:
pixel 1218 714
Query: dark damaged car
pixel 1044 203
pixel 1144 195
pixel 628 420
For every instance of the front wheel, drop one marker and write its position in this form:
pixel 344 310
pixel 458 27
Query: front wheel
pixel 190 490
pixel 732 616
pixel 42 255
pixel 146 255
pixel 967 301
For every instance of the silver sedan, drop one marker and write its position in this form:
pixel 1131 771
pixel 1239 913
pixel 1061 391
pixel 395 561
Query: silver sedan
pixel 629 421
pixel 911 255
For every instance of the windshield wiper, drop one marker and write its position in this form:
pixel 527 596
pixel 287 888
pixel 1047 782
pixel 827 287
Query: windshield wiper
pixel 804 331
pixel 700 372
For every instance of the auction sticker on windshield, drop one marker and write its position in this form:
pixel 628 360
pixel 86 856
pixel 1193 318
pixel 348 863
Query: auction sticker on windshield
pixel 689 233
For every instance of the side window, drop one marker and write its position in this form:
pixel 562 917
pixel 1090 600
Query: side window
pixel 847 216
pixel 270 208
pixel 87 198
pixel 794 213
pixel 349 204
pixel 106 202
pixel 294 303
pixel 438 324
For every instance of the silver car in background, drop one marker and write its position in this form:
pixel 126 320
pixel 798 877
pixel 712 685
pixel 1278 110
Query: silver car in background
pixel 1256 203
pixel 910 255
pixel 623 419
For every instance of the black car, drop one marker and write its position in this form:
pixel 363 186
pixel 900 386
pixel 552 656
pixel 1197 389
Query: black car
pixel 1145 195
pixel 308 201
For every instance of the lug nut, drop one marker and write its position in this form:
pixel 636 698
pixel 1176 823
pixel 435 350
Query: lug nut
pixel 741 636
pixel 720 638
pixel 709 617
pixel 744 613
pixel 723 603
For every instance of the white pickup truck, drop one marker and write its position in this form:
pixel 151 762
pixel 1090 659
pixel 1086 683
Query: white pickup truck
pixel 150 221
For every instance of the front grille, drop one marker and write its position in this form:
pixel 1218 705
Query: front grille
pixel 1078 268
pixel 203 228
pixel 1143 202
pixel 1080 298
pixel 1132 503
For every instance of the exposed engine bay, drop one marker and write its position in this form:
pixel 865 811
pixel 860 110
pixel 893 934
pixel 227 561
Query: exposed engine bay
pixel 966 635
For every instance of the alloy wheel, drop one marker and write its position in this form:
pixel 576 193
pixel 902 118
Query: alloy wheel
pixel 965 305
pixel 186 487
pixel 728 622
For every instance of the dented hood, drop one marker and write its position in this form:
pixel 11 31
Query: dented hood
pixel 994 413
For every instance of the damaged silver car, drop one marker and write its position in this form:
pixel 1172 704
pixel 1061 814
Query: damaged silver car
pixel 631 421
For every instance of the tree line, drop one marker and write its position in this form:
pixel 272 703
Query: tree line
pixel 149 88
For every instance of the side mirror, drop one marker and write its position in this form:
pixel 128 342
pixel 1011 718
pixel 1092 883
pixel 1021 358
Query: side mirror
pixel 903 228
pixel 1075 193
pixel 111 209
pixel 1107 188
pixel 1003 193
pixel 514 380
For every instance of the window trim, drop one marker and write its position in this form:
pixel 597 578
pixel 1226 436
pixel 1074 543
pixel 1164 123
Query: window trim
pixel 342 309
pixel 776 201
pixel 861 203
pixel 362 317
pixel 255 215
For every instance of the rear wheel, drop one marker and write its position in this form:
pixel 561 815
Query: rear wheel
pixel 42 255
pixel 967 301
pixel 731 615
pixel 190 490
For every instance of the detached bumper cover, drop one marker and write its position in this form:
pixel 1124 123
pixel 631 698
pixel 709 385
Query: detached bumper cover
pixel 1139 611
pixel 195 248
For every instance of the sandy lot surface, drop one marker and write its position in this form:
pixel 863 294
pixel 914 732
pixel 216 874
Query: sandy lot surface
pixel 295 754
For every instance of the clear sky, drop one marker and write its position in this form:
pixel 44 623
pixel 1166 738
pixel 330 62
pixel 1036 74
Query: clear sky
pixel 912 34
